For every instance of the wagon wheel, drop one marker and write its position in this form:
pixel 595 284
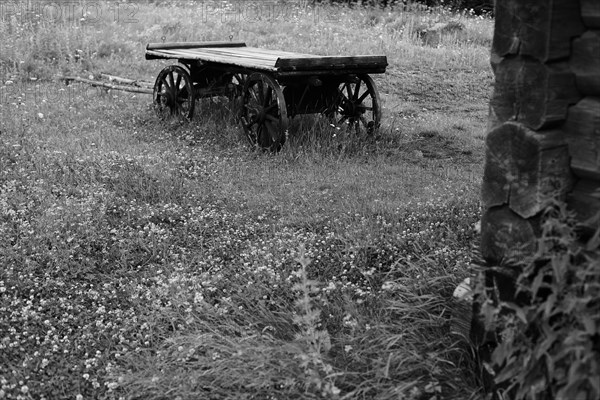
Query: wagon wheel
pixel 264 114
pixel 357 105
pixel 174 93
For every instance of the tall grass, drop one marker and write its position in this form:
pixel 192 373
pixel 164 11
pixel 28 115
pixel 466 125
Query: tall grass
pixel 142 259
pixel 101 34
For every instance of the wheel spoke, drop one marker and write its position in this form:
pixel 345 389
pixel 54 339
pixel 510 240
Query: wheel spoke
pixel 261 93
pixel 172 91
pixel 270 108
pixel 177 109
pixel 271 118
pixel 259 131
pixel 236 80
pixel 253 111
pixel 363 96
pixel 266 127
pixel 178 81
pixel 182 92
pixel 269 98
pixel 344 98
pixel 165 85
pixel 254 95
pixel 348 90
pixel 357 89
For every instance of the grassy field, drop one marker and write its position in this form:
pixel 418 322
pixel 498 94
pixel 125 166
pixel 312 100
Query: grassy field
pixel 151 260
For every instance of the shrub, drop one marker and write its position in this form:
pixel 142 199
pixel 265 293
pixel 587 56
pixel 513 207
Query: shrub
pixel 548 345
pixel 476 6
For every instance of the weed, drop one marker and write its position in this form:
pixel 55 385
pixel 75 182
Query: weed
pixel 547 339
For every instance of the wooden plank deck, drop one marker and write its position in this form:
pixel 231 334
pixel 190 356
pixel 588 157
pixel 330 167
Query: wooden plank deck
pixel 277 61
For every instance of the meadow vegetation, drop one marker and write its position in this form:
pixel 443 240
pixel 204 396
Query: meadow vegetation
pixel 546 335
pixel 152 260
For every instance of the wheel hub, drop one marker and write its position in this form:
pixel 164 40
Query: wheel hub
pixel 351 109
pixel 169 98
pixel 261 116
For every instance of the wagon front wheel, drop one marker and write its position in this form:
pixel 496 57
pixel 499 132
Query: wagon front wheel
pixel 174 93
pixel 264 114
pixel 356 105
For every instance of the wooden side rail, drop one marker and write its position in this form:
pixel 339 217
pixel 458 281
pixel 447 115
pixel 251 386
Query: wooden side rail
pixel 191 45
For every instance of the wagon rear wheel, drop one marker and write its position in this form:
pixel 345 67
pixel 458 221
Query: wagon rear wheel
pixel 356 105
pixel 264 114
pixel 174 93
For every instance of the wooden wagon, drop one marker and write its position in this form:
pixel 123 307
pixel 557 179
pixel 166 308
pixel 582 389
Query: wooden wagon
pixel 270 86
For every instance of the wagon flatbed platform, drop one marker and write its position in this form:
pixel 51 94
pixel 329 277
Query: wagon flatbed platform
pixel 275 61
pixel 268 87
